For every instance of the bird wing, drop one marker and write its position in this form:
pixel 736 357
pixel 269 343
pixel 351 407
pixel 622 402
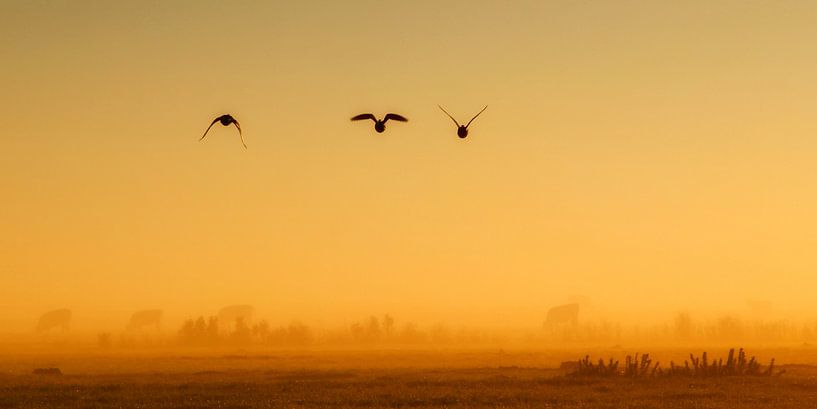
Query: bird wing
pixel 475 116
pixel 396 117
pixel 449 115
pixel 208 128
pixel 240 135
pixel 364 116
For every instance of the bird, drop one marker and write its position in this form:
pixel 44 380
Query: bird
pixel 226 120
pixel 380 125
pixel 462 130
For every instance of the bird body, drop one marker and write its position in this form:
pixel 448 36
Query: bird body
pixel 379 124
pixel 462 130
pixel 226 120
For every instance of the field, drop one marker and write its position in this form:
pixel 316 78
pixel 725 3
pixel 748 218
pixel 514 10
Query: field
pixel 372 379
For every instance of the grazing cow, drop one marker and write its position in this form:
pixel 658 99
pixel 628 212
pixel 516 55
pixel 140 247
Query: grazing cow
pixel 228 315
pixel 52 319
pixel 563 314
pixel 145 318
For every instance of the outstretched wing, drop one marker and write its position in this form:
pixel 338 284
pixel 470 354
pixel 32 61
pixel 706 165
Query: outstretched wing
pixel 364 116
pixel 396 117
pixel 240 135
pixel 449 115
pixel 208 128
pixel 475 116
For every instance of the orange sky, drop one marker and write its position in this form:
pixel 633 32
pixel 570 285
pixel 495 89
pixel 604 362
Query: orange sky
pixel 650 155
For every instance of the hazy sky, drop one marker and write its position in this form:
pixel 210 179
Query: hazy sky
pixel 651 155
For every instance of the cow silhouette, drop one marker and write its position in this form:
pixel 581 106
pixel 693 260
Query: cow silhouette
pixel 145 318
pixel 228 315
pixel 563 314
pixel 54 319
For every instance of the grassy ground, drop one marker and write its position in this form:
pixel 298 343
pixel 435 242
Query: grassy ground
pixel 369 379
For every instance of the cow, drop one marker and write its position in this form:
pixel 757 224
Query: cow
pixel 229 315
pixel 145 318
pixel 563 314
pixel 54 319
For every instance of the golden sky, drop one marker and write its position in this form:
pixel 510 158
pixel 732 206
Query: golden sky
pixel 650 155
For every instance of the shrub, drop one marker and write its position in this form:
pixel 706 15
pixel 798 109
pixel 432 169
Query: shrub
pixel 642 367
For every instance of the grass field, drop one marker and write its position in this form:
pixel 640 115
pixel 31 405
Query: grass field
pixel 371 379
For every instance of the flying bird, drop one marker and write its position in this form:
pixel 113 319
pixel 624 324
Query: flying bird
pixel 226 120
pixel 462 130
pixel 380 125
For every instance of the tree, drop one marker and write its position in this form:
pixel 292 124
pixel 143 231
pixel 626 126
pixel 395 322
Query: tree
pixel 212 330
pixel 261 331
pixel 388 325
pixel 242 333
pixel 683 326
pixel 373 329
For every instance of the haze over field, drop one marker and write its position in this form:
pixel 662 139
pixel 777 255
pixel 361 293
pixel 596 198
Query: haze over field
pixel 651 157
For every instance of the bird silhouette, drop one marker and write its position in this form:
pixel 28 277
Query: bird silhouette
pixel 462 130
pixel 226 120
pixel 380 125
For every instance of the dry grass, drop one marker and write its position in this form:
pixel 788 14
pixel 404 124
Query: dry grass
pixel 641 366
pixel 355 379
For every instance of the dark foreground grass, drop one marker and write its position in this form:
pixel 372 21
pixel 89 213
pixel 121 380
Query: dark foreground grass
pixel 394 387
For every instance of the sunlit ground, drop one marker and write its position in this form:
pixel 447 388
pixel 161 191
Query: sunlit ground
pixel 427 377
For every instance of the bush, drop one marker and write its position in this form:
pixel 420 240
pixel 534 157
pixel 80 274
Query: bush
pixel 642 367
